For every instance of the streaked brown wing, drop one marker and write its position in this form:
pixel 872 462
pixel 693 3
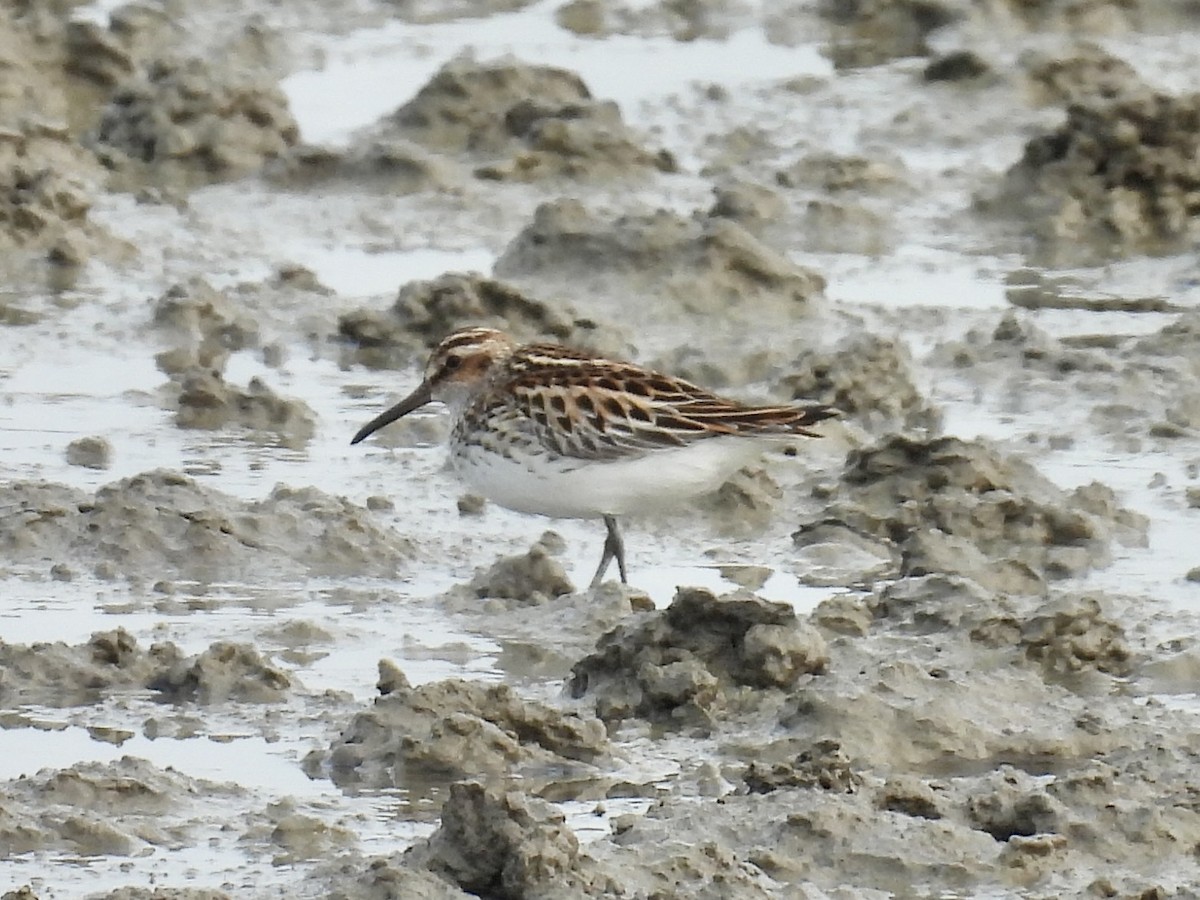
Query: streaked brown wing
pixel 590 408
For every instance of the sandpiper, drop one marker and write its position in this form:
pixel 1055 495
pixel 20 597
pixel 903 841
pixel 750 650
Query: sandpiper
pixel 545 429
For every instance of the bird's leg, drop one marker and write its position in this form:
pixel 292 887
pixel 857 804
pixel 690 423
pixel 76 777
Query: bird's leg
pixel 614 547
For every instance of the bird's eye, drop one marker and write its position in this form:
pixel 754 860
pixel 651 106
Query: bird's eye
pixel 453 362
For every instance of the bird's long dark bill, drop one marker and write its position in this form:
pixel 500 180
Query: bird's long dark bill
pixel 416 399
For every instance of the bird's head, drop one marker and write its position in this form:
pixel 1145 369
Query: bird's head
pixel 459 368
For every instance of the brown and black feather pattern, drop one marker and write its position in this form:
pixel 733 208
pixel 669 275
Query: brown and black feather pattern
pixel 590 408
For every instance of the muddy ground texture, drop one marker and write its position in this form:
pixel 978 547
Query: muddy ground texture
pixel 965 712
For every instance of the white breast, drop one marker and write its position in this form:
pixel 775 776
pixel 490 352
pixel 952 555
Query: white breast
pixel 572 488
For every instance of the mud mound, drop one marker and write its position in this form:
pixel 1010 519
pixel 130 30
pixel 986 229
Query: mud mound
pixel 925 743
pixel 46 178
pixel 1176 344
pixel 62 675
pixel 707 267
pixel 523 123
pixel 163 893
pixel 417 737
pixel 59 674
pixel 163 524
pixel 687 663
pixel 959 506
pixel 426 12
pixel 123 808
pixel 1117 178
pixel 866 377
pixel 187 124
pixel 426 311
pixel 824 766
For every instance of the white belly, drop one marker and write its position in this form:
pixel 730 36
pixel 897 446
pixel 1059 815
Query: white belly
pixel 576 489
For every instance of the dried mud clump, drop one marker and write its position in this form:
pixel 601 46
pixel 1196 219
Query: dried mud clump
pixel 416 737
pixel 686 663
pixel 522 123
pixel 823 765
pixel 189 126
pixel 225 671
pixel 1073 16
pixel 708 267
pixel 43 208
pixel 867 378
pixel 426 311
pixel 162 520
pixel 206 401
pixel 1117 178
pixel 959 506
pixel 530 579
pixel 509 846
pixel 1065 637
pixel 90 452
pixel 520 599
pixel 1089 73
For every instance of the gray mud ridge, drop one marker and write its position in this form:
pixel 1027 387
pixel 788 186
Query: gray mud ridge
pixel 58 674
pixel 205 324
pixel 950 505
pixel 422 738
pixel 164 525
pixel 1131 388
pixel 497 121
pixel 1088 73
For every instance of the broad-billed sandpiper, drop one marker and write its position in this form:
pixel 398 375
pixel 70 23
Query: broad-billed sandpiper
pixel 546 429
